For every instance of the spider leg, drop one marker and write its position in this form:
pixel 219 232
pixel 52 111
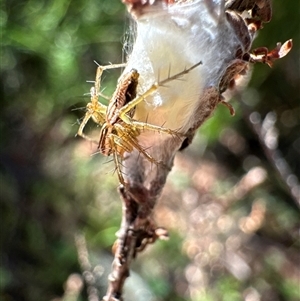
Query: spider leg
pixel 99 73
pixel 104 96
pixel 111 66
pixel 142 125
pixel 97 112
pixel 116 160
pixel 82 125
pixel 134 102
pixel 129 141
pixel 122 143
pixel 160 129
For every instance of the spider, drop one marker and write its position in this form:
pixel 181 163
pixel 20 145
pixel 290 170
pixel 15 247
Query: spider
pixel 119 130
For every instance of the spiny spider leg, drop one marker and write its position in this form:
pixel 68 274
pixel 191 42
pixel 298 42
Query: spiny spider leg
pixel 117 163
pixel 101 68
pixel 99 73
pixel 131 140
pixel 126 142
pixel 95 109
pixel 141 125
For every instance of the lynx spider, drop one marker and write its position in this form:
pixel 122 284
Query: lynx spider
pixel 119 131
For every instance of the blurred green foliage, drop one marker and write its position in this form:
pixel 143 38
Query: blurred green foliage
pixel 51 188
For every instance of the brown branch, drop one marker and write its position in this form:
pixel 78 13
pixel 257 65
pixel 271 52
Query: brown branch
pixel 136 232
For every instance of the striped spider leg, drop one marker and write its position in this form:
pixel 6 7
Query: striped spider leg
pixel 119 131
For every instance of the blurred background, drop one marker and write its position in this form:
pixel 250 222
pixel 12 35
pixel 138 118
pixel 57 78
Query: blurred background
pixel 230 202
